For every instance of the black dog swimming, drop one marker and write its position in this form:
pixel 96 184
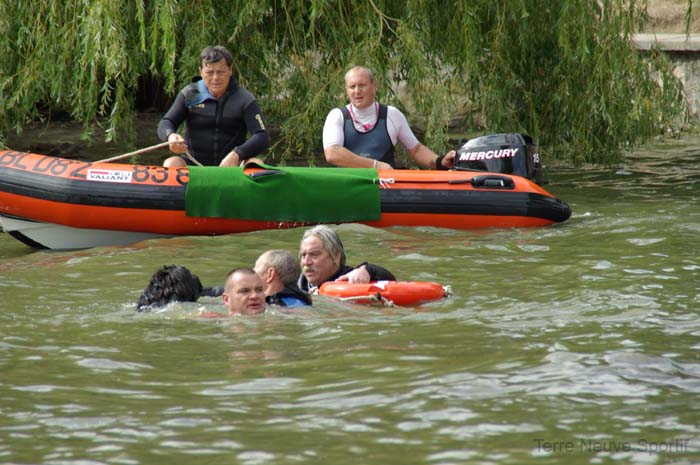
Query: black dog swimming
pixel 170 283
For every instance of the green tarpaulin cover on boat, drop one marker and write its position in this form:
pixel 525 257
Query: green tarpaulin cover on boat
pixel 319 195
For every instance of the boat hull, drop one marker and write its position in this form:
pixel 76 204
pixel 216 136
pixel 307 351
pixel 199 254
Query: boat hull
pixel 111 204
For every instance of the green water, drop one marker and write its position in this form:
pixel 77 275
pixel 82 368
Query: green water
pixel 578 343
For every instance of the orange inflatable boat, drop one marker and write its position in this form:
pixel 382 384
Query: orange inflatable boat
pixel 58 203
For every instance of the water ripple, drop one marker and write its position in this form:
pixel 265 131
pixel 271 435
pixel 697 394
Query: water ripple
pixel 105 364
pixel 257 386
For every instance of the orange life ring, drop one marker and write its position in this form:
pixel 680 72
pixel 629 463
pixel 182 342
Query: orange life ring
pixel 387 292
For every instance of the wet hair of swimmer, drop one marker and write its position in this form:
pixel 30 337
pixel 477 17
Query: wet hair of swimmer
pixel 170 283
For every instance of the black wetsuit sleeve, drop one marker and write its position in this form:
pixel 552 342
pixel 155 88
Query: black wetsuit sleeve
pixel 173 118
pixel 215 291
pixel 259 140
pixel 377 273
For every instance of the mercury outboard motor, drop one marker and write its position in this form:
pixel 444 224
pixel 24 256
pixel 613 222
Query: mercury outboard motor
pixel 501 153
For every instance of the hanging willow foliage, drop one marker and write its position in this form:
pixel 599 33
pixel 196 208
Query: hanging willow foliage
pixel 562 71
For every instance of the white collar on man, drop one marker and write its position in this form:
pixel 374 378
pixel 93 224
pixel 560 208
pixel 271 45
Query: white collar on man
pixel 364 119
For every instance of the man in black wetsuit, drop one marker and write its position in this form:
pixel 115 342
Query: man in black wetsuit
pixel 279 271
pixel 219 113
pixel 323 259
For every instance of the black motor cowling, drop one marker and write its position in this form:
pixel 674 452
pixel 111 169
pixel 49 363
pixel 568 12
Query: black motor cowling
pixel 511 153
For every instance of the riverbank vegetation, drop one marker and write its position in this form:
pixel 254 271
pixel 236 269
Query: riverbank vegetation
pixel 563 71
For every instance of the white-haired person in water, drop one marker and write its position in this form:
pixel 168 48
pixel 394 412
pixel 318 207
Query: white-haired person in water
pixel 323 259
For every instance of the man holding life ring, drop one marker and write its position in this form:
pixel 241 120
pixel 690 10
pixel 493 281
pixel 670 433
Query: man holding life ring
pixel 363 133
pixel 323 259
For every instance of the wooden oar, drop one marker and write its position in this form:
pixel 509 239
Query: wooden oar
pixel 135 152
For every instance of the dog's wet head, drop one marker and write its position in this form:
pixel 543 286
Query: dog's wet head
pixel 170 283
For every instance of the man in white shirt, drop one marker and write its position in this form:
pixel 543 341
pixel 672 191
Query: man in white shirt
pixel 363 133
